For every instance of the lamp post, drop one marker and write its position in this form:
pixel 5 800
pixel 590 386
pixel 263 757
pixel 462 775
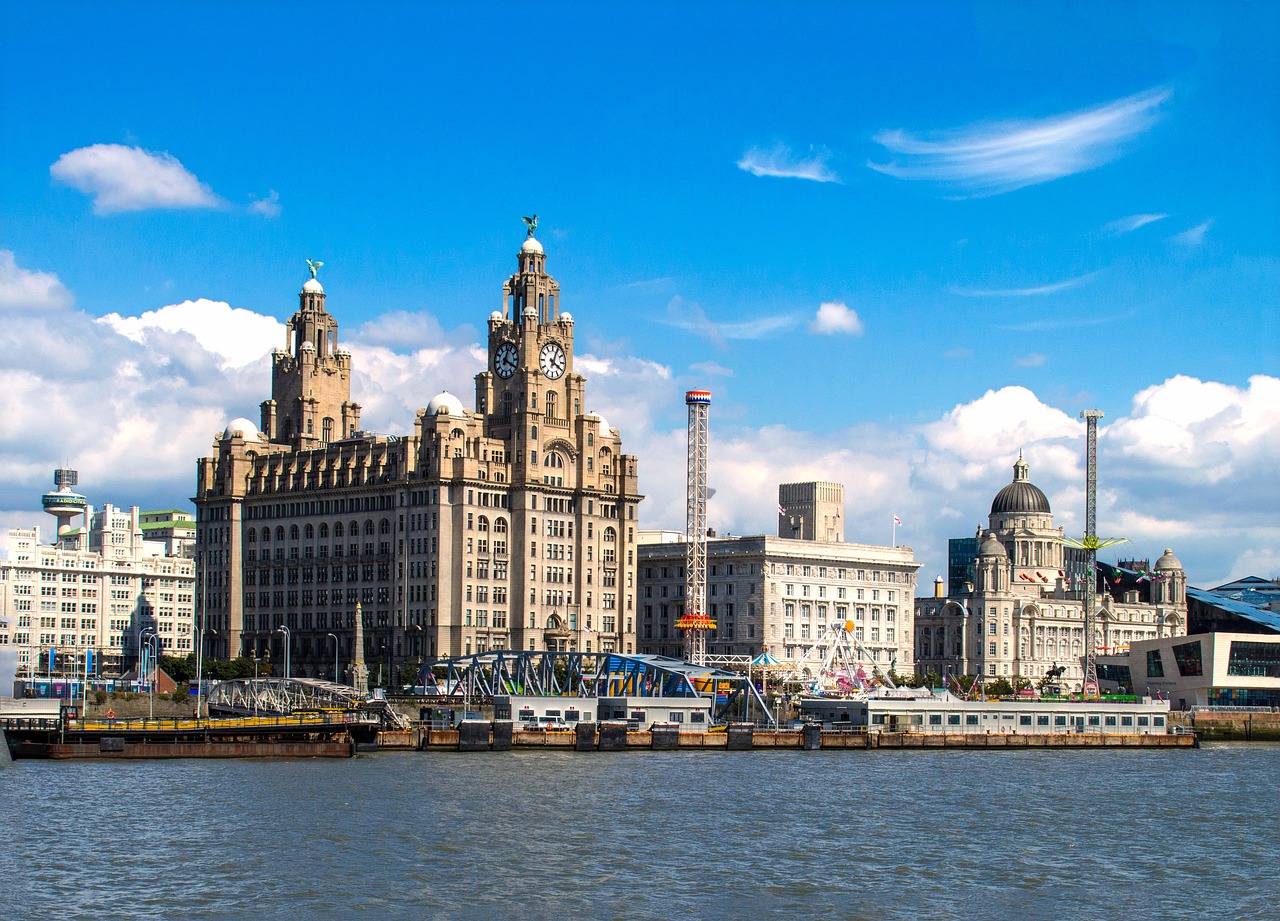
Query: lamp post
pixel 416 630
pixel 200 642
pixel 149 638
pixel 285 630
pixel 334 637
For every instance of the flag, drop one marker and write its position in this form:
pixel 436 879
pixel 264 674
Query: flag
pixel 897 521
pixel 781 511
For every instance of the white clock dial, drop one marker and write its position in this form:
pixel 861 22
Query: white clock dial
pixel 505 360
pixel 551 360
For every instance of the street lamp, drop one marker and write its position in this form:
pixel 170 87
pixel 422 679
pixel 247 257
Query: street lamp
pixel 334 637
pixel 149 638
pixel 417 645
pixel 285 630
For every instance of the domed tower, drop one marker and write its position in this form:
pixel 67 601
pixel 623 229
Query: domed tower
pixel 991 566
pixel 1023 521
pixel 63 503
pixel 1171 581
pixel 310 401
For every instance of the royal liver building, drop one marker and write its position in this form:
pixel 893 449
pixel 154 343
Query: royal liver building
pixel 510 525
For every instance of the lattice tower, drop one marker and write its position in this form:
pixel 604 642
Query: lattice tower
pixel 695 621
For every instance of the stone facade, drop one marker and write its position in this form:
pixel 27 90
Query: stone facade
pixel 1023 612
pixel 510 525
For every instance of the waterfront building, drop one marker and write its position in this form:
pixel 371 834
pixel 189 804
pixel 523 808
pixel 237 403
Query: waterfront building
pixel 947 713
pixel 99 591
pixel 174 528
pixel 780 594
pixel 511 524
pixel 1022 613
pixel 1202 670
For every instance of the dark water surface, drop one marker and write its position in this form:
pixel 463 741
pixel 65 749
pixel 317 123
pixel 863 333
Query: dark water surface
pixel 875 835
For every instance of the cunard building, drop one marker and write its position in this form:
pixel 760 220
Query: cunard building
pixel 509 525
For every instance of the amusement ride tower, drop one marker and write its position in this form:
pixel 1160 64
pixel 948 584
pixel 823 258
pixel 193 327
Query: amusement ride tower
pixel 695 622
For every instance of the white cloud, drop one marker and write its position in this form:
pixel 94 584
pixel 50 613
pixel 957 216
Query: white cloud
pixel 132 402
pixel 711 369
pixel 1193 236
pixel 1051 288
pixel 237 336
pixel 689 316
pixel 267 207
pixel 23 288
pixel 782 162
pixel 1033 360
pixel 1131 223
pixel 993 158
pixel 835 317
pixel 132 179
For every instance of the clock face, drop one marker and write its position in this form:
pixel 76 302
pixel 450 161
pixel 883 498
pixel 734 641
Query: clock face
pixel 505 360
pixel 551 360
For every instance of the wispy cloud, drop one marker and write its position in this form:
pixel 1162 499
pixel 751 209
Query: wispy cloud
pixel 1052 288
pixel 958 353
pixel 689 316
pixel 24 288
pixel 1064 322
pixel 1129 224
pixel 1034 360
pixel 267 207
pixel 781 161
pixel 1194 236
pixel 833 318
pixel 712 369
pixel 132 179
pixel 989 159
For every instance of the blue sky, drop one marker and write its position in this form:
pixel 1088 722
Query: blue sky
pixel 898 242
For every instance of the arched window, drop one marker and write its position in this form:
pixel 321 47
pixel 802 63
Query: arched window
pixel 610 535
pixel 500 526
pixel 551 405
pixel 266 535
pixel 483 524
pixel 553 459
pixel 337 530
pixel 293 532
pixel 280 533
pixel 384 526
pixel 368 527
pixel 324 531
pixel 354 529
pixel 252 537
pixel 309 532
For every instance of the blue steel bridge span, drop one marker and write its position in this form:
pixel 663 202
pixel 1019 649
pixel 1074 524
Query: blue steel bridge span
pixel 551 673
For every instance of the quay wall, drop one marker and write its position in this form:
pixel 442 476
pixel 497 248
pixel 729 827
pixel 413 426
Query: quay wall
pixel 744 739
pixel 1233 725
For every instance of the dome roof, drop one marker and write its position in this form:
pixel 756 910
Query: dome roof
pixel 604 423
pixel 566 316
pixel 312 287
pixel 991 546
pixel 1021 497
pixel 496 315
pixel 308 346
pixel 241 428
pixel 530 310
pixel 1168 561
pixel 444 404
pixel 531 245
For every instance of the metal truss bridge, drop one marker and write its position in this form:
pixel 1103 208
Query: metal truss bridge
pixel 482 676
pixel 285 696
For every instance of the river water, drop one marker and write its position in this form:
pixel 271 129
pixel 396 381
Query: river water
pixel 841 834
